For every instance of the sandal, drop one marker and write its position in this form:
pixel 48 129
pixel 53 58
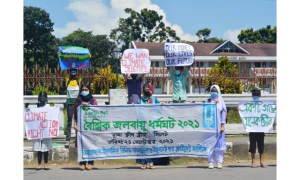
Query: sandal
pixel 263 165
pixel 152 166
pixel 90 167
pixel 143 167
pixel 82 167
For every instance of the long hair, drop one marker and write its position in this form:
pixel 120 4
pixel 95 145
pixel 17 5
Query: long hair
pixel 43 93
pixel 80 97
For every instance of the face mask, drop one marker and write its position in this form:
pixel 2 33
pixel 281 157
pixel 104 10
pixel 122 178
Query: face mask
pixel 43 101
pixel 214 94
pixel 73 73
pixel 177 72
pixel 85 93
pixel 147 93
pixel 133 77
pixel 255 98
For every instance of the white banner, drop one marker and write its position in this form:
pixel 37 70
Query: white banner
pixel 135 61
pixel 42 122
pixel 257 116
pixel 146 131
pixel 179 54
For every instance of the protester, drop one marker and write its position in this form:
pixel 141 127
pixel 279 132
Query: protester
pixel 257 137
pixel 85 98
pixel 42 146
pixel 179 77
pixel 216 97
pixel 134 87
pixel 72 92
pixel 147 98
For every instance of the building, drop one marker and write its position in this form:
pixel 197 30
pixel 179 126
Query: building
pixel 253 60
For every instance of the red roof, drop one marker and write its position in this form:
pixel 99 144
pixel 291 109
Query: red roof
pixel 204 49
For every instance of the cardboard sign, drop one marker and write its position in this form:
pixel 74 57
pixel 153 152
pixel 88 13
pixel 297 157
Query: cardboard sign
pixel 42 122
pixel 257 116
pixel 135 61
pixel 179 54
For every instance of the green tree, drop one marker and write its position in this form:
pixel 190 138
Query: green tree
pixel 223 74
pixel 203 35
pixel 146 26
pixel 99 45
pixel 39 43
pixel 261 36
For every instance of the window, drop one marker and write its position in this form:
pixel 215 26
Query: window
pixel 264 64
pixel 257 65
pixel 229 48
pixel 156 64
pixel 201 64
pixel 211 64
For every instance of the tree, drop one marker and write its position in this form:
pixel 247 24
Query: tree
pixel 99 45
pixel 203 35
pixel 261 36
pixel 224 74
pixel 146 26
pixel 39 43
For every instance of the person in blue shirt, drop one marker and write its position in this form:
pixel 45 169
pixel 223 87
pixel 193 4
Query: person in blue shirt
pixel 147 98
pixel 179 76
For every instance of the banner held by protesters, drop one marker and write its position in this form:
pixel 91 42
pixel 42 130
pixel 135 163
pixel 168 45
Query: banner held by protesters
pixel 146 131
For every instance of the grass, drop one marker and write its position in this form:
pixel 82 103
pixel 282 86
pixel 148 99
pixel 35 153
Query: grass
pixel 233 116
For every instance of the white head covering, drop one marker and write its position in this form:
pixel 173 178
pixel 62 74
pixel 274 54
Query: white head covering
pixel 221 104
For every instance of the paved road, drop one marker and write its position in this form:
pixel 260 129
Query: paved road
pixel 229 172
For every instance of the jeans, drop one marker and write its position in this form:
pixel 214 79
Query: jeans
pixel 40 157
pixel 148 160
pixel 70 110
pixel 84 163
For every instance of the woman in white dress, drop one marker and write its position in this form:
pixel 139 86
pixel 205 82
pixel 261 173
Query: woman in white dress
pixel 220 147
pixel 42 146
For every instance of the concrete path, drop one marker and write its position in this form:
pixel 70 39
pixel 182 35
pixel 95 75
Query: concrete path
pixel 229 172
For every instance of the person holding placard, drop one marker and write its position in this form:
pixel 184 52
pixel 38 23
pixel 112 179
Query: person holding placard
pixel 220 147
pixel 134 87
pixel 257 138
pixel 42 146
pixel 72 82
pixel 85 98
pixel 179 76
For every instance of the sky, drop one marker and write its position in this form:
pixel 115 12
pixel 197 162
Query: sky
pixel 225 18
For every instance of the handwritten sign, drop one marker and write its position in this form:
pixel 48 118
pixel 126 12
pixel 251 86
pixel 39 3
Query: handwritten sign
pixel 146 131
pixel 178 54
pixel 42 122
pixel 135 61
pixel 72 57
pixel 257 116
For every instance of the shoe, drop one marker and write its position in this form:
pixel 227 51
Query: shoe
pixel 38 169
pixel 219 166
pixel 82 167
pixel 67 144
pixel 143 167
pixel 46 169
pixel 210 165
